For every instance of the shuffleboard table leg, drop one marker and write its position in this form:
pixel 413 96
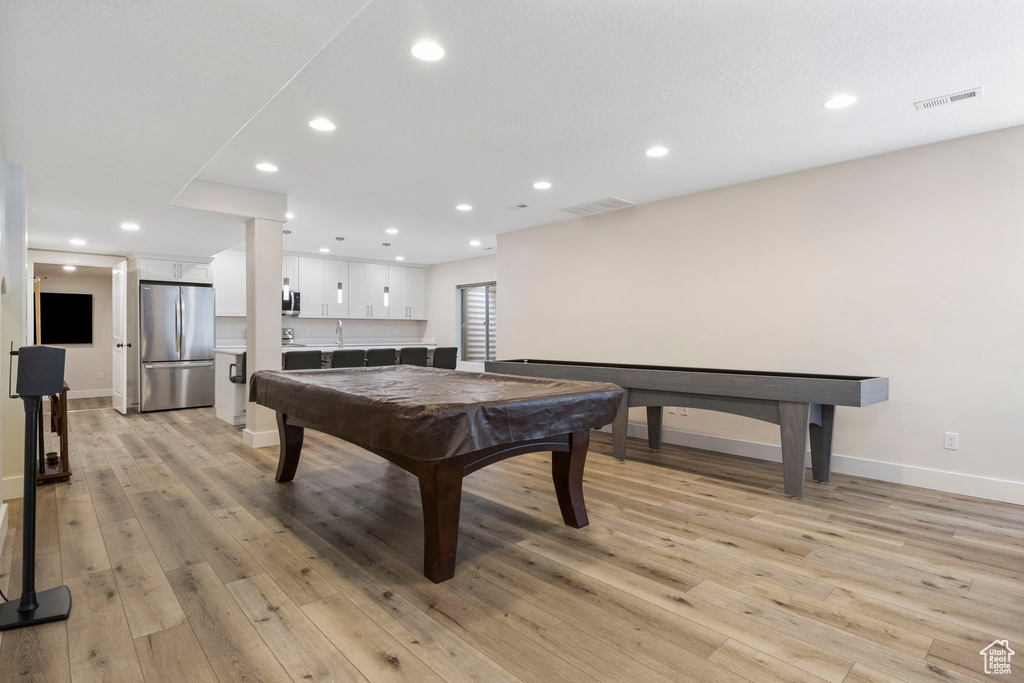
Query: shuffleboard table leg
pixel 567 473
pixel 654 414
pixel 441 493
pixel 821 444
pixel 620 429
pixel 291 448
pixel 793 419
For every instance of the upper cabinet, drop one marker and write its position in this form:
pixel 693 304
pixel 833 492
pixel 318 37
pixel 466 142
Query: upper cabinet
pixel 324 288
pixel 329 288
pixel 229 282
pixel 367 282
pixel 408 293
pixel 165 270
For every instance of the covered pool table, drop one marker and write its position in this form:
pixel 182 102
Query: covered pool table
pixel 442 425
pixel 794 401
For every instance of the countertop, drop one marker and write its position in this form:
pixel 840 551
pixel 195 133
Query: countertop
pixel 238 349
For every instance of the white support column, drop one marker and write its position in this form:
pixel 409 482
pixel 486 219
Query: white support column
pixel 263 244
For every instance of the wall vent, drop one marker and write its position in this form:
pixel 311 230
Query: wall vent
pixel 517 206
pixel 600 206
pixel 948 99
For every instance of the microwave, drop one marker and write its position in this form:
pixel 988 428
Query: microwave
pixel 290 304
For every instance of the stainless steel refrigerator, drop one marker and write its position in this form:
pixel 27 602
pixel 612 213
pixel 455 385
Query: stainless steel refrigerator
pixel 176 346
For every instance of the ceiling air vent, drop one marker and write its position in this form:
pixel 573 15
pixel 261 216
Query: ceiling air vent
pixel 600 206
pixel 948 99
pixel 517 206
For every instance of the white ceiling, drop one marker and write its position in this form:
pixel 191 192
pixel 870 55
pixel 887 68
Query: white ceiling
pixel 140 98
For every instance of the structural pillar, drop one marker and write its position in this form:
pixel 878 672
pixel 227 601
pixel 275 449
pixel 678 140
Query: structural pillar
pixel 263 245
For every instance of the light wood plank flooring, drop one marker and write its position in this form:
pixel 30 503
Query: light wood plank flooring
pixel 187 562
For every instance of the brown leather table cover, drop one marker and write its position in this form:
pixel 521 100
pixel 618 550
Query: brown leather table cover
pixel 431 413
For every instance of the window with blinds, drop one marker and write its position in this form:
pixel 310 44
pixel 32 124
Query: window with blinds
pixel 479 321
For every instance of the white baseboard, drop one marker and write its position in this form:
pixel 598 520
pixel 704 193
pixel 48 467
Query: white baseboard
pixel 259 439
pixel 939 480
pixel 89 393
pixel 14 487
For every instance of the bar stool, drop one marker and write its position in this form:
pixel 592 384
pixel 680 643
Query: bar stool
pixel 378 357
pixel 302 360
pixel 236 371
pixel 413 355
pixel 446 357
pixel 348 358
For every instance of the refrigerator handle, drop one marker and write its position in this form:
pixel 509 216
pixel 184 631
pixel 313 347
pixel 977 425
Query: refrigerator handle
pixel 177 326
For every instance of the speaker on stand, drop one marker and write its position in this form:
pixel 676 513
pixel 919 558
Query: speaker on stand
pixel 40 373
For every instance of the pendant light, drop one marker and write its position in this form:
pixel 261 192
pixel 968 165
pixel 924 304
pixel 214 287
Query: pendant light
pixel 285 282
pixel 387 277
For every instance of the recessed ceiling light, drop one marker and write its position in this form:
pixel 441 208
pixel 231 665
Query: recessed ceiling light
pixel 78 242
pixel 324 250
pixel 289 215
pixel 392 231
pixel 542 185
pixel 69 267
pixel 130 227
pixel 322 125
pixel 657 151
pixel 840 101
pixel 464 207
pixel 428 51
pixel 399 258
pixel 474 243
pixel 266 167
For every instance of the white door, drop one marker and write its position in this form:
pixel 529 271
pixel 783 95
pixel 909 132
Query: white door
pixel 398 287
pixel 311 275
pixel 359 295
pixel 416 292
pixel 119 308
pixel 378 278
pixel 336 294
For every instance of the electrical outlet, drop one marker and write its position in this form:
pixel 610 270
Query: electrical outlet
pixel 103 375
pixel 952 441
pixel 672 411
pixel 685 412
pixel 227 331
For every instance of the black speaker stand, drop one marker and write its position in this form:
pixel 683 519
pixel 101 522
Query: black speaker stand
pixel 49 605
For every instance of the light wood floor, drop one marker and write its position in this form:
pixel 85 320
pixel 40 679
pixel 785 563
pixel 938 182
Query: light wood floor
pixel 187 562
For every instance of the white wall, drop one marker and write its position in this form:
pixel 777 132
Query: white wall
pixel 87 367
pixel 908 265
pixel 13 303
pixel 443 280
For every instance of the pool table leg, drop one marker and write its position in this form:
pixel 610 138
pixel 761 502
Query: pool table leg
pixel 291 447
pixel 441 493
pixel 567 473
pixel 654 414
pixel 821 444
pixel 620 429
pixel 793 420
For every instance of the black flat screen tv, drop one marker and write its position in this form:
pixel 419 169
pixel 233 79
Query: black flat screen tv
pixel 65 318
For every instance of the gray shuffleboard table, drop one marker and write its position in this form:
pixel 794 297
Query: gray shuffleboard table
pixel 794 401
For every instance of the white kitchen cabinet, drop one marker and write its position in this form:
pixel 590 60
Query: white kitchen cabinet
pixel 290 270
pixel 320 280
pixel 312 274
pixel 408 292
pixel 336 288
pixel 167 270
pixel 367 281
pixel 416 298
pixel 229 282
